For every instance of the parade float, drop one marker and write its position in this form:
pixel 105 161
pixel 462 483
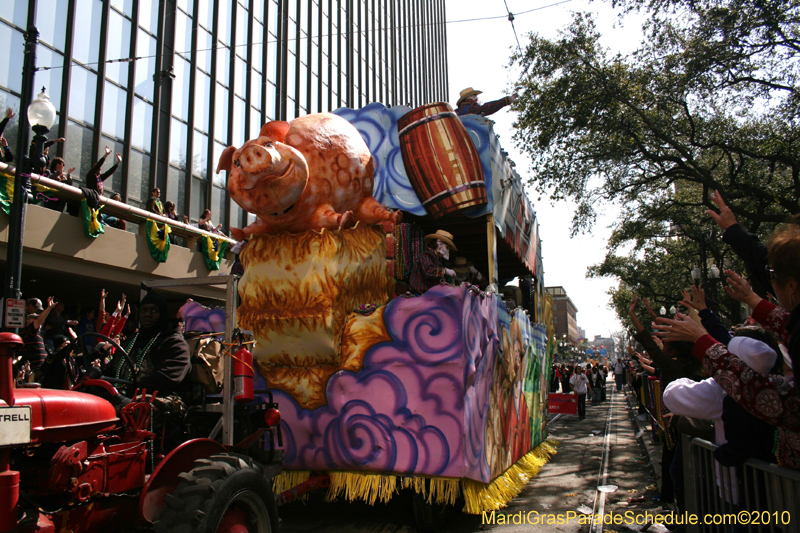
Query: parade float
pixel 442 393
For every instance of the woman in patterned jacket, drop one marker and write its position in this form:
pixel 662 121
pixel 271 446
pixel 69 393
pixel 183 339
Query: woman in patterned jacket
pixel 771 397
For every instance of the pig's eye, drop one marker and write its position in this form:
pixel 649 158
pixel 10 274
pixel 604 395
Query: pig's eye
pixel 236 163
pixel 268 144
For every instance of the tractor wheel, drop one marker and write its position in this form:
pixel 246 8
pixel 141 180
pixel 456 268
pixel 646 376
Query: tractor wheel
pixel 430 517
pixel 225 493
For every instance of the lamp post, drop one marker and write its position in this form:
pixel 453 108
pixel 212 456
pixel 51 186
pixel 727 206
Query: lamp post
pixel 40 116
pixel 696 275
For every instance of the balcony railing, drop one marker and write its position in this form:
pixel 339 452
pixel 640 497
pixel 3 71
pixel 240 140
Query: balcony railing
pixel 120 210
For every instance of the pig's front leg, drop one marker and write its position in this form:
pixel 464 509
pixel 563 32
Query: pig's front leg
pixel 326 217
pixel 370 212
pixel 256 228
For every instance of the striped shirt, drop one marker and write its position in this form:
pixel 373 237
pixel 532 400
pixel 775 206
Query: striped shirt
pixel 427 271
pixel 486 109
pixel 33 350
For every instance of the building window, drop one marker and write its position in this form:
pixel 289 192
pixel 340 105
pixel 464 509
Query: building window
pixel 86 44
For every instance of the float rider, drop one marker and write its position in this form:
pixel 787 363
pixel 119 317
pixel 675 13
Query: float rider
pixel 468 103
pixel 429 267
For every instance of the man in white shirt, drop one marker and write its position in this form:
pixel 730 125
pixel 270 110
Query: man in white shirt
pixel 619 374
pixel 580 385
pixel 704 400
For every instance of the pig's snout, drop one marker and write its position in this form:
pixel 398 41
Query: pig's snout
pixel 257 159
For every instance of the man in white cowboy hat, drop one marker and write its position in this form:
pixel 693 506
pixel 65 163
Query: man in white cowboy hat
pixel 429 267
pixel 468 103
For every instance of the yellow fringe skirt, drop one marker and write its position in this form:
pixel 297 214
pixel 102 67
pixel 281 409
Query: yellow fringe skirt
pixel 479 497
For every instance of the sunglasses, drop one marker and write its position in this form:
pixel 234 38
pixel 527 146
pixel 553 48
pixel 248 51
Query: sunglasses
pixel 771 275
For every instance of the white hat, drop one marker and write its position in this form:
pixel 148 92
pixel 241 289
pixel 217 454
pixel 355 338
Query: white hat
pixel 756 354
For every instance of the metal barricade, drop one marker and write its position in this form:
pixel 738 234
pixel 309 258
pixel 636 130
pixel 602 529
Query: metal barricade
pixel 754 497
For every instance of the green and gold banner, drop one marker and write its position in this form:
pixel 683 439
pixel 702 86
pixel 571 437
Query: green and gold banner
pixel 213 251
pixel 158 240
pixel 92 227
pixel 7 195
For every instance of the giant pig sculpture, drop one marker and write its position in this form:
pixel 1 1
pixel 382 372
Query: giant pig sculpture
pixel 314 172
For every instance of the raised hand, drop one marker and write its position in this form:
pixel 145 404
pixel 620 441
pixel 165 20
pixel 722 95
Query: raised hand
pixel 681 328
pixel 632 313
pixel 724 218
pixel 9 112
pixel 740 290
pixel 119 158
pixel 649 308
pixel 51 301
pixel 108 150
pixel 70 171
pixel 103 293
pixel 696 299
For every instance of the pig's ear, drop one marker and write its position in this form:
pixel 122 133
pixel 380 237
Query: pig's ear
pixel 226 159
pixel 275 130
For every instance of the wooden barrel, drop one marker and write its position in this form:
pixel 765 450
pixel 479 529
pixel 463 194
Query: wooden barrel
pixel 441 160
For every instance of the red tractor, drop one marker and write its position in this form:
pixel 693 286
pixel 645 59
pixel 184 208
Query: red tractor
pixel 68 462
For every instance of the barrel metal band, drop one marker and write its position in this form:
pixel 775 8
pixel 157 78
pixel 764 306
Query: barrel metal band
pixel 430 118
pixel 455 190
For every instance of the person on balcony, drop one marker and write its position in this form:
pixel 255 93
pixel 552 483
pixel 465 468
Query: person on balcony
pixel 57 173
pixel 429 267
pixel 205 223
pixel 110 220
pixel 170 213
pixel 5 152
pixel 94 179
pixel 468 103
pixel 154 202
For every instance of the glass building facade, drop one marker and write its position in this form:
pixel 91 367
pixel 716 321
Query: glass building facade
pixel 170 83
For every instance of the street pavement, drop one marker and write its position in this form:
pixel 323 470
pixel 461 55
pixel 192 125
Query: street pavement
pixel 600 451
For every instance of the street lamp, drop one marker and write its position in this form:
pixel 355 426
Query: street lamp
pixel 42 116
pixel 662 311
pixel 713 272
pixel 696 274
pixel 672 310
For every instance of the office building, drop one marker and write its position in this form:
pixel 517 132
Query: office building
pixel 169 84
pixel 564 315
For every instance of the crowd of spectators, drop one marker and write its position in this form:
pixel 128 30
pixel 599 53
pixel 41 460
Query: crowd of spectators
pixel 95 179
pixel 50 329
pixel 729 383
pixel 588 380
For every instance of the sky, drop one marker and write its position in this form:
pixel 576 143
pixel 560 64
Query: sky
pixel 478 53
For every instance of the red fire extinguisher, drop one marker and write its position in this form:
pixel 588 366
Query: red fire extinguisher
pixel 243 376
